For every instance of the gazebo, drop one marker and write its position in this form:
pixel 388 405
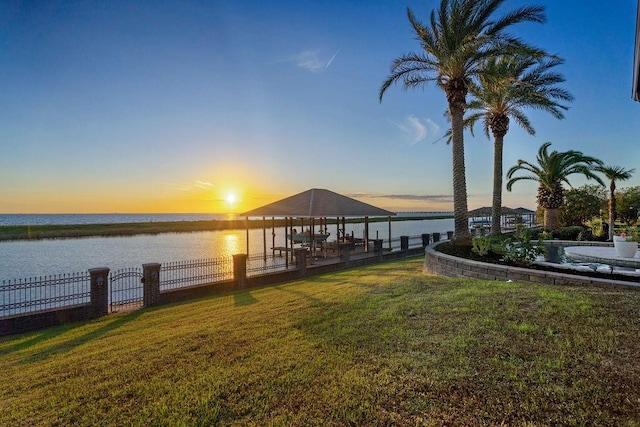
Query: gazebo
pixel 317 205
pixel 481 217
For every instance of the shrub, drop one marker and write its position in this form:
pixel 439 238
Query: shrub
pixel 521 249
pixel 569 233
pixel 481 245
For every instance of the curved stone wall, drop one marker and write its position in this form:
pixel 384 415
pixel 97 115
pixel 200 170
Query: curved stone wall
pixel 446 265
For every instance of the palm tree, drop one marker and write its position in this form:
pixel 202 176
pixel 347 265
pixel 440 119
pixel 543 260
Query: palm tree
pixel 613 174
pixel 461 35
pixel 508 85
pixel 551 171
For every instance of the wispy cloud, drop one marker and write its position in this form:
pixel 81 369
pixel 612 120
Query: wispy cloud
pixel 417 130
pixel 312 60
pixel 204 185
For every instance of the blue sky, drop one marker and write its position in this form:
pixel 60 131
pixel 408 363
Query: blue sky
pixel 171 106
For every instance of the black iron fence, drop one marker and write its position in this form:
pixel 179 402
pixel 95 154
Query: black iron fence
pixel 174 275
pixel 264 263
pixel 125 288
pixel 98 292
pixel 22 296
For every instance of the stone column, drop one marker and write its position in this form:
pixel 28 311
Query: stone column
pixel 240 270
pixel 99 291
pixel 449 235
pixel 377 248
pixel 151 284
pixel 404 243
pixel 426 239
pixel 301 260
pixel 436 237
pixel 345 254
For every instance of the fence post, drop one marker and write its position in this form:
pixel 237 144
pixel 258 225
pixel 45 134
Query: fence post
pixel 449 235
pixel 150 284
pixel 99 291
pixel 240 270
pixel 404 243
pixel 301 260
pixel 377 248
pixel 436 237
pixel 426 239
pixel 345 254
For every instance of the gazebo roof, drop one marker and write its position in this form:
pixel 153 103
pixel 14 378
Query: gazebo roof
pixel 318 203
pixel 486 211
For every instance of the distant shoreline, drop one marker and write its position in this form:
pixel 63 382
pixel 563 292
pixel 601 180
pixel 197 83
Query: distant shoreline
pixel 58 231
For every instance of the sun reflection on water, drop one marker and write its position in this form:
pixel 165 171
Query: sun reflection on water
pixel 232 244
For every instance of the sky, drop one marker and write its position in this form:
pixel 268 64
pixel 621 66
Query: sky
pixel 223 106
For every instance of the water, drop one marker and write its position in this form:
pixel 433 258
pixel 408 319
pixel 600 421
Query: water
pixel 556 255
pixel 72 219
pixel 25 259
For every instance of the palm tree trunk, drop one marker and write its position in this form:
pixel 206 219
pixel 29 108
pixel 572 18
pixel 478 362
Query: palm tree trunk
pixel 496 208
pixel 551 218
pixel 612 209
pixel 460 210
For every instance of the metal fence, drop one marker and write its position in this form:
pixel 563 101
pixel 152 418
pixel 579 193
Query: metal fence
pixel 125 288
pixel 174 275
pixel 264 263
pixel 22 296
pixel 415 242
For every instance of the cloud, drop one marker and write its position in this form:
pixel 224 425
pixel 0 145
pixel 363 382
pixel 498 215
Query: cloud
pixel 204 185
pixel 417 130
pixel 311 60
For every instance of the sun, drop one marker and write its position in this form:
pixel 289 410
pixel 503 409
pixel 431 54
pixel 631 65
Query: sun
pixel 231 198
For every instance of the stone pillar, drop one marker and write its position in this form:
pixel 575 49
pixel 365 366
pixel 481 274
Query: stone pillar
pixel 345 253
pixel 404 243
pixel 426 240
pixel 301 260
pixel 150 284
pixel 99 291
pixel 436 237
pixel 240 270
pixel 377 248
pixel 449 235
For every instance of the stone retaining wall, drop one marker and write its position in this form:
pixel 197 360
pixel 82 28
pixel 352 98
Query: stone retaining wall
pixel 446 265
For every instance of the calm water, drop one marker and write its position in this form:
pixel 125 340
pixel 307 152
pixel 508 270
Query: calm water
pixel 24 259
pixel 71 219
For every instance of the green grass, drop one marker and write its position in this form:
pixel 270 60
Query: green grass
pixel 381 345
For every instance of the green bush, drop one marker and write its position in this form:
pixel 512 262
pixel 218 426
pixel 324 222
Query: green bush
pixel 569 233
pixel 521 249
pixel 481 245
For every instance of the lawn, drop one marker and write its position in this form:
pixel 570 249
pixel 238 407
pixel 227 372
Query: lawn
pixel 381 345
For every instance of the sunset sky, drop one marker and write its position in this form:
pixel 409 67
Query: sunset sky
pixel 223 106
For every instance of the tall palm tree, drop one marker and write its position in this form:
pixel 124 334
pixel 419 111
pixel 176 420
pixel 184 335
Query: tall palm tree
pixel 508 85
pixel 551 171
pixel 613 174
pixel 460 36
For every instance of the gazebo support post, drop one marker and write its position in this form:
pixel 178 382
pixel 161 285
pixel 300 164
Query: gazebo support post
pixel 366 234
pixel 273 235
pixel 246 221
pixel 264 238
pixel 389 233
